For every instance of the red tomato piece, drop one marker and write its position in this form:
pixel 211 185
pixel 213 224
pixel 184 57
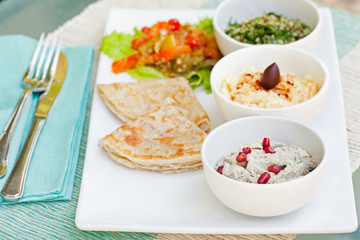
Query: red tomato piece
pixel 157 28
pixel 170 53
pixel 125 63
pixel 145 30
pixel 137 42
pixel 174 25
pixel 193 41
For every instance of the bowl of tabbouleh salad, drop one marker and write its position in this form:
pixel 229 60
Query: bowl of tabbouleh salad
pixel 242 23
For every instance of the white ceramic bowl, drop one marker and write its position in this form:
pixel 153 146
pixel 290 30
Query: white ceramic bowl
pixel 289 60
pixel 305 10
pixel 262 200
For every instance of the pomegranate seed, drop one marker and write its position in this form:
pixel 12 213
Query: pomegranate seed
pixel 269 150
pixel 241 157
pixel 246 150
pixel 220 169
pixel 274 168
pixel 264 178
pixel 266 142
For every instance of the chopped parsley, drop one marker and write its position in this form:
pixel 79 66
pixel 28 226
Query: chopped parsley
pixel 270 28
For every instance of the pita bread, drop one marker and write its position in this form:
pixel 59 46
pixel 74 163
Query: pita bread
pixel 130 101
pixel 164 140
pixel 155 168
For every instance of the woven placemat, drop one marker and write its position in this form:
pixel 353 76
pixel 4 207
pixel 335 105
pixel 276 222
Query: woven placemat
pixel 55 220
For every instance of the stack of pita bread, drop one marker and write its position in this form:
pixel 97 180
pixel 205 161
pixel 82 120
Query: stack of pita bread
pixel 164 128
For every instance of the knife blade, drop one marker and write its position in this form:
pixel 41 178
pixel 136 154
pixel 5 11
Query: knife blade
pixel 48 97
pixel 14 187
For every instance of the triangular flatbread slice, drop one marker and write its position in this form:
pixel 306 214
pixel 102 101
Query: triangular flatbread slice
pixel 164 141
pixel 175 168
pixel 129 101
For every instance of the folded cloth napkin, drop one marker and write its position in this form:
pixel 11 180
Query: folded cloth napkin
pixel 52 169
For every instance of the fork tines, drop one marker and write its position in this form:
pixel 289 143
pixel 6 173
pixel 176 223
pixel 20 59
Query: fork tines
pixel 41 52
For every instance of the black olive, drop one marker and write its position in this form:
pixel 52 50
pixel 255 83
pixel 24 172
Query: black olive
pixel 270 77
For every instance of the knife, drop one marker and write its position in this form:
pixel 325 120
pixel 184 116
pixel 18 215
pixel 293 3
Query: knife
pixel 14 187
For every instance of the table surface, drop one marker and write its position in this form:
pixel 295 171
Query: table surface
pixel 17 17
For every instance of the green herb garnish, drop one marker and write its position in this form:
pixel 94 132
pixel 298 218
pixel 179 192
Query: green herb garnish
pixel 270 28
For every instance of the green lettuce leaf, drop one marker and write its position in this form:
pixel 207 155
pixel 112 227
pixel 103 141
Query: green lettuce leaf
pixel 145 73
pixel 201 77
pixel 118 45
pixel 206 24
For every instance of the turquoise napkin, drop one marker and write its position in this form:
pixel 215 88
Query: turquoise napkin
pixel 52 169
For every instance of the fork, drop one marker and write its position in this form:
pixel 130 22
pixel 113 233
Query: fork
pixel 34 80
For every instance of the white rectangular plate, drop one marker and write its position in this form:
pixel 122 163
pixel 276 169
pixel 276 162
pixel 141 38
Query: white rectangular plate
pixel 115 198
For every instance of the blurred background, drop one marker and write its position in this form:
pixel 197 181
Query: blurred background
pixel 349 5
pixel 22 16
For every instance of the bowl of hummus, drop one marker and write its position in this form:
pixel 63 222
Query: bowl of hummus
pixel 263 166
pixel 237 81
pixel 245 88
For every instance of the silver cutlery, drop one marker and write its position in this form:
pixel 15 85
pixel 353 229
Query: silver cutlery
pixel 34 80
pixel 14 187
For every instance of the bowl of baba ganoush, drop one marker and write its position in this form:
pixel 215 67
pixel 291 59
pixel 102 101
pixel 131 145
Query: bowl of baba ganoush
pixel 242 23
pixel 263 166
pixel 270 80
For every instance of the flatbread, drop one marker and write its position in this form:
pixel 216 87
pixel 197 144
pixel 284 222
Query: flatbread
pixel 179 168
pixel 129 101
pixel 164 140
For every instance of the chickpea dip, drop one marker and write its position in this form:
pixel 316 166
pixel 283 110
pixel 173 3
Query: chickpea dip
pixel 245 88
pixel 292 162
